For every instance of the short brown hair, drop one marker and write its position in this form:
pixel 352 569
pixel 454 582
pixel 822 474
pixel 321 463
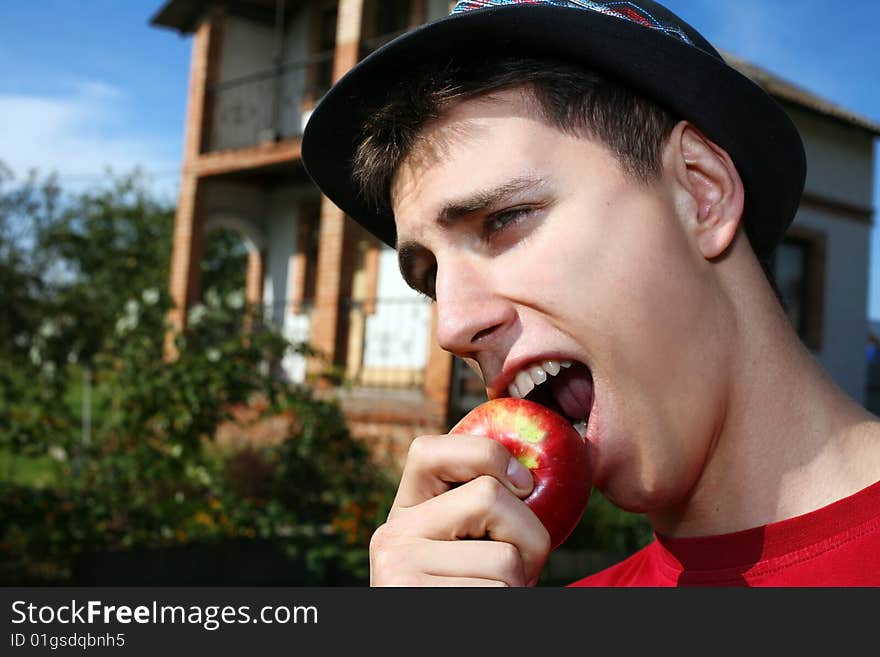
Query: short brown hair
pixel 570 98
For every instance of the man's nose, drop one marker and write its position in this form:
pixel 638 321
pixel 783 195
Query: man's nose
pixel 470 312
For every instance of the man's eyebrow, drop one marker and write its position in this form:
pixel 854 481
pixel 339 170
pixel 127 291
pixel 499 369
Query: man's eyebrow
pixel 408 251
pixel 487 198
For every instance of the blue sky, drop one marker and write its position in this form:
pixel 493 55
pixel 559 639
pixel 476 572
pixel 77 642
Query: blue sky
pixel 90 84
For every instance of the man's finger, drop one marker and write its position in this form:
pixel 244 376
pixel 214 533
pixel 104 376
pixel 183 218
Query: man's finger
pixel 435 464
pixel 482 508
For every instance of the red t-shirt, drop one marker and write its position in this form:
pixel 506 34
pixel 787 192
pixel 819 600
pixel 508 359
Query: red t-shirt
pixel 837 545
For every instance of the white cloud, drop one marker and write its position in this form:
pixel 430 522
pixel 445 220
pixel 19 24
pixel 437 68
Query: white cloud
pixel 81 133
pixel 95 89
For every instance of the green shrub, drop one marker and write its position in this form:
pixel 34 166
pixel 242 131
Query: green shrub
pixel 150 475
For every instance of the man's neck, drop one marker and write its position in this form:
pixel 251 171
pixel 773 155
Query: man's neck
pixel 791 441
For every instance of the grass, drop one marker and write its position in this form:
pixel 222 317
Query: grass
pixel 42 471
pixel 33 471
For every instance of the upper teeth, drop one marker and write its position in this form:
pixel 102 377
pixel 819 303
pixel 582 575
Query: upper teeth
pixel 534 375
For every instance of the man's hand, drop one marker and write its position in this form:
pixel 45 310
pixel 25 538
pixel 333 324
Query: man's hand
pixel 453 492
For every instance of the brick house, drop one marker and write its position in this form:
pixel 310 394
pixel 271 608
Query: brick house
pixel 257 69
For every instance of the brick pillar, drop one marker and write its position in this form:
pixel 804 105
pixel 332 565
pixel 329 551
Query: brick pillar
pixel 186 256
pixel 349 19
pixel 333 232
pixel 438 374
pixel 253 286
pixel 371 273
pixel 189 221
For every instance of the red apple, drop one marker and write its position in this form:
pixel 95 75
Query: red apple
pixel 550 447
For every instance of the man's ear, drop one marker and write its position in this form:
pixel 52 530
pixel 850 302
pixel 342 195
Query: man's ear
pixel 707 175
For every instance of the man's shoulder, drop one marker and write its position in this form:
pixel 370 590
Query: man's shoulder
pixel 639 569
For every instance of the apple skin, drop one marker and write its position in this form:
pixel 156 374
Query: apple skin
pixel 547 444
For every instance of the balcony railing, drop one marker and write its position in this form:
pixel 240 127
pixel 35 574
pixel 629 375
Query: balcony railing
pixel 388 341
pixel 267 105
pixel 385 341
pixel 273 104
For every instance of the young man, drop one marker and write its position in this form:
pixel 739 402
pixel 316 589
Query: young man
pixel 589 182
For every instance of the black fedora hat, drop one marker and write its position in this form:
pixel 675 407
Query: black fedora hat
pixel 639 43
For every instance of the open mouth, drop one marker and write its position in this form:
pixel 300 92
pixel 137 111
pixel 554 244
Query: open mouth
pixel 565 387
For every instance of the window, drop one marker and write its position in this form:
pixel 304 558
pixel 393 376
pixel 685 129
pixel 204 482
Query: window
pixel 799 268
pixel 791 264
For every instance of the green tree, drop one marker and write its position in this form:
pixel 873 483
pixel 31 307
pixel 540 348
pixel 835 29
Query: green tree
pixel 30 348
pixel 224 264
pixel 69 267
pixel 107 242
pixel 26 211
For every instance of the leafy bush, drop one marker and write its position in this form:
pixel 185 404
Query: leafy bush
pixel 150 476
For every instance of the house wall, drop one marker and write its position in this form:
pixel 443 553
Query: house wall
pixel 227 200
pixel 248 47
pixel 840 158
pixel 294 79
pixel 840 171
pixel 845 320
pixel 438 9
pixel 282 220
pixel 244 113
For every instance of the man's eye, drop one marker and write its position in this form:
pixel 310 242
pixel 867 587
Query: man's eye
pixel 500 220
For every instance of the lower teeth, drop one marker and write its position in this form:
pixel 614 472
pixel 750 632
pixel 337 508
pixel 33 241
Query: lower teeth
pixel 581 428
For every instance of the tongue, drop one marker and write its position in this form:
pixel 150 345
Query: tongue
pixel 573 390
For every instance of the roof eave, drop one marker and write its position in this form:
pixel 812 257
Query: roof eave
pixel 179 15
pixel 784 90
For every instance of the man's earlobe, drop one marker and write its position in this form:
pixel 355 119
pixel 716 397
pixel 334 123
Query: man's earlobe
pixel 709 176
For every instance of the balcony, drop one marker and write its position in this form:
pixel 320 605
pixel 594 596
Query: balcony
pixel 267 105
pixel 386 341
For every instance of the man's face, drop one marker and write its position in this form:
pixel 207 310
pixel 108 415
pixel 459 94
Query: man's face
pixel 537 246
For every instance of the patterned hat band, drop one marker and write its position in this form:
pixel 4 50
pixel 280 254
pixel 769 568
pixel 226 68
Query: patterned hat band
pixel 628 11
